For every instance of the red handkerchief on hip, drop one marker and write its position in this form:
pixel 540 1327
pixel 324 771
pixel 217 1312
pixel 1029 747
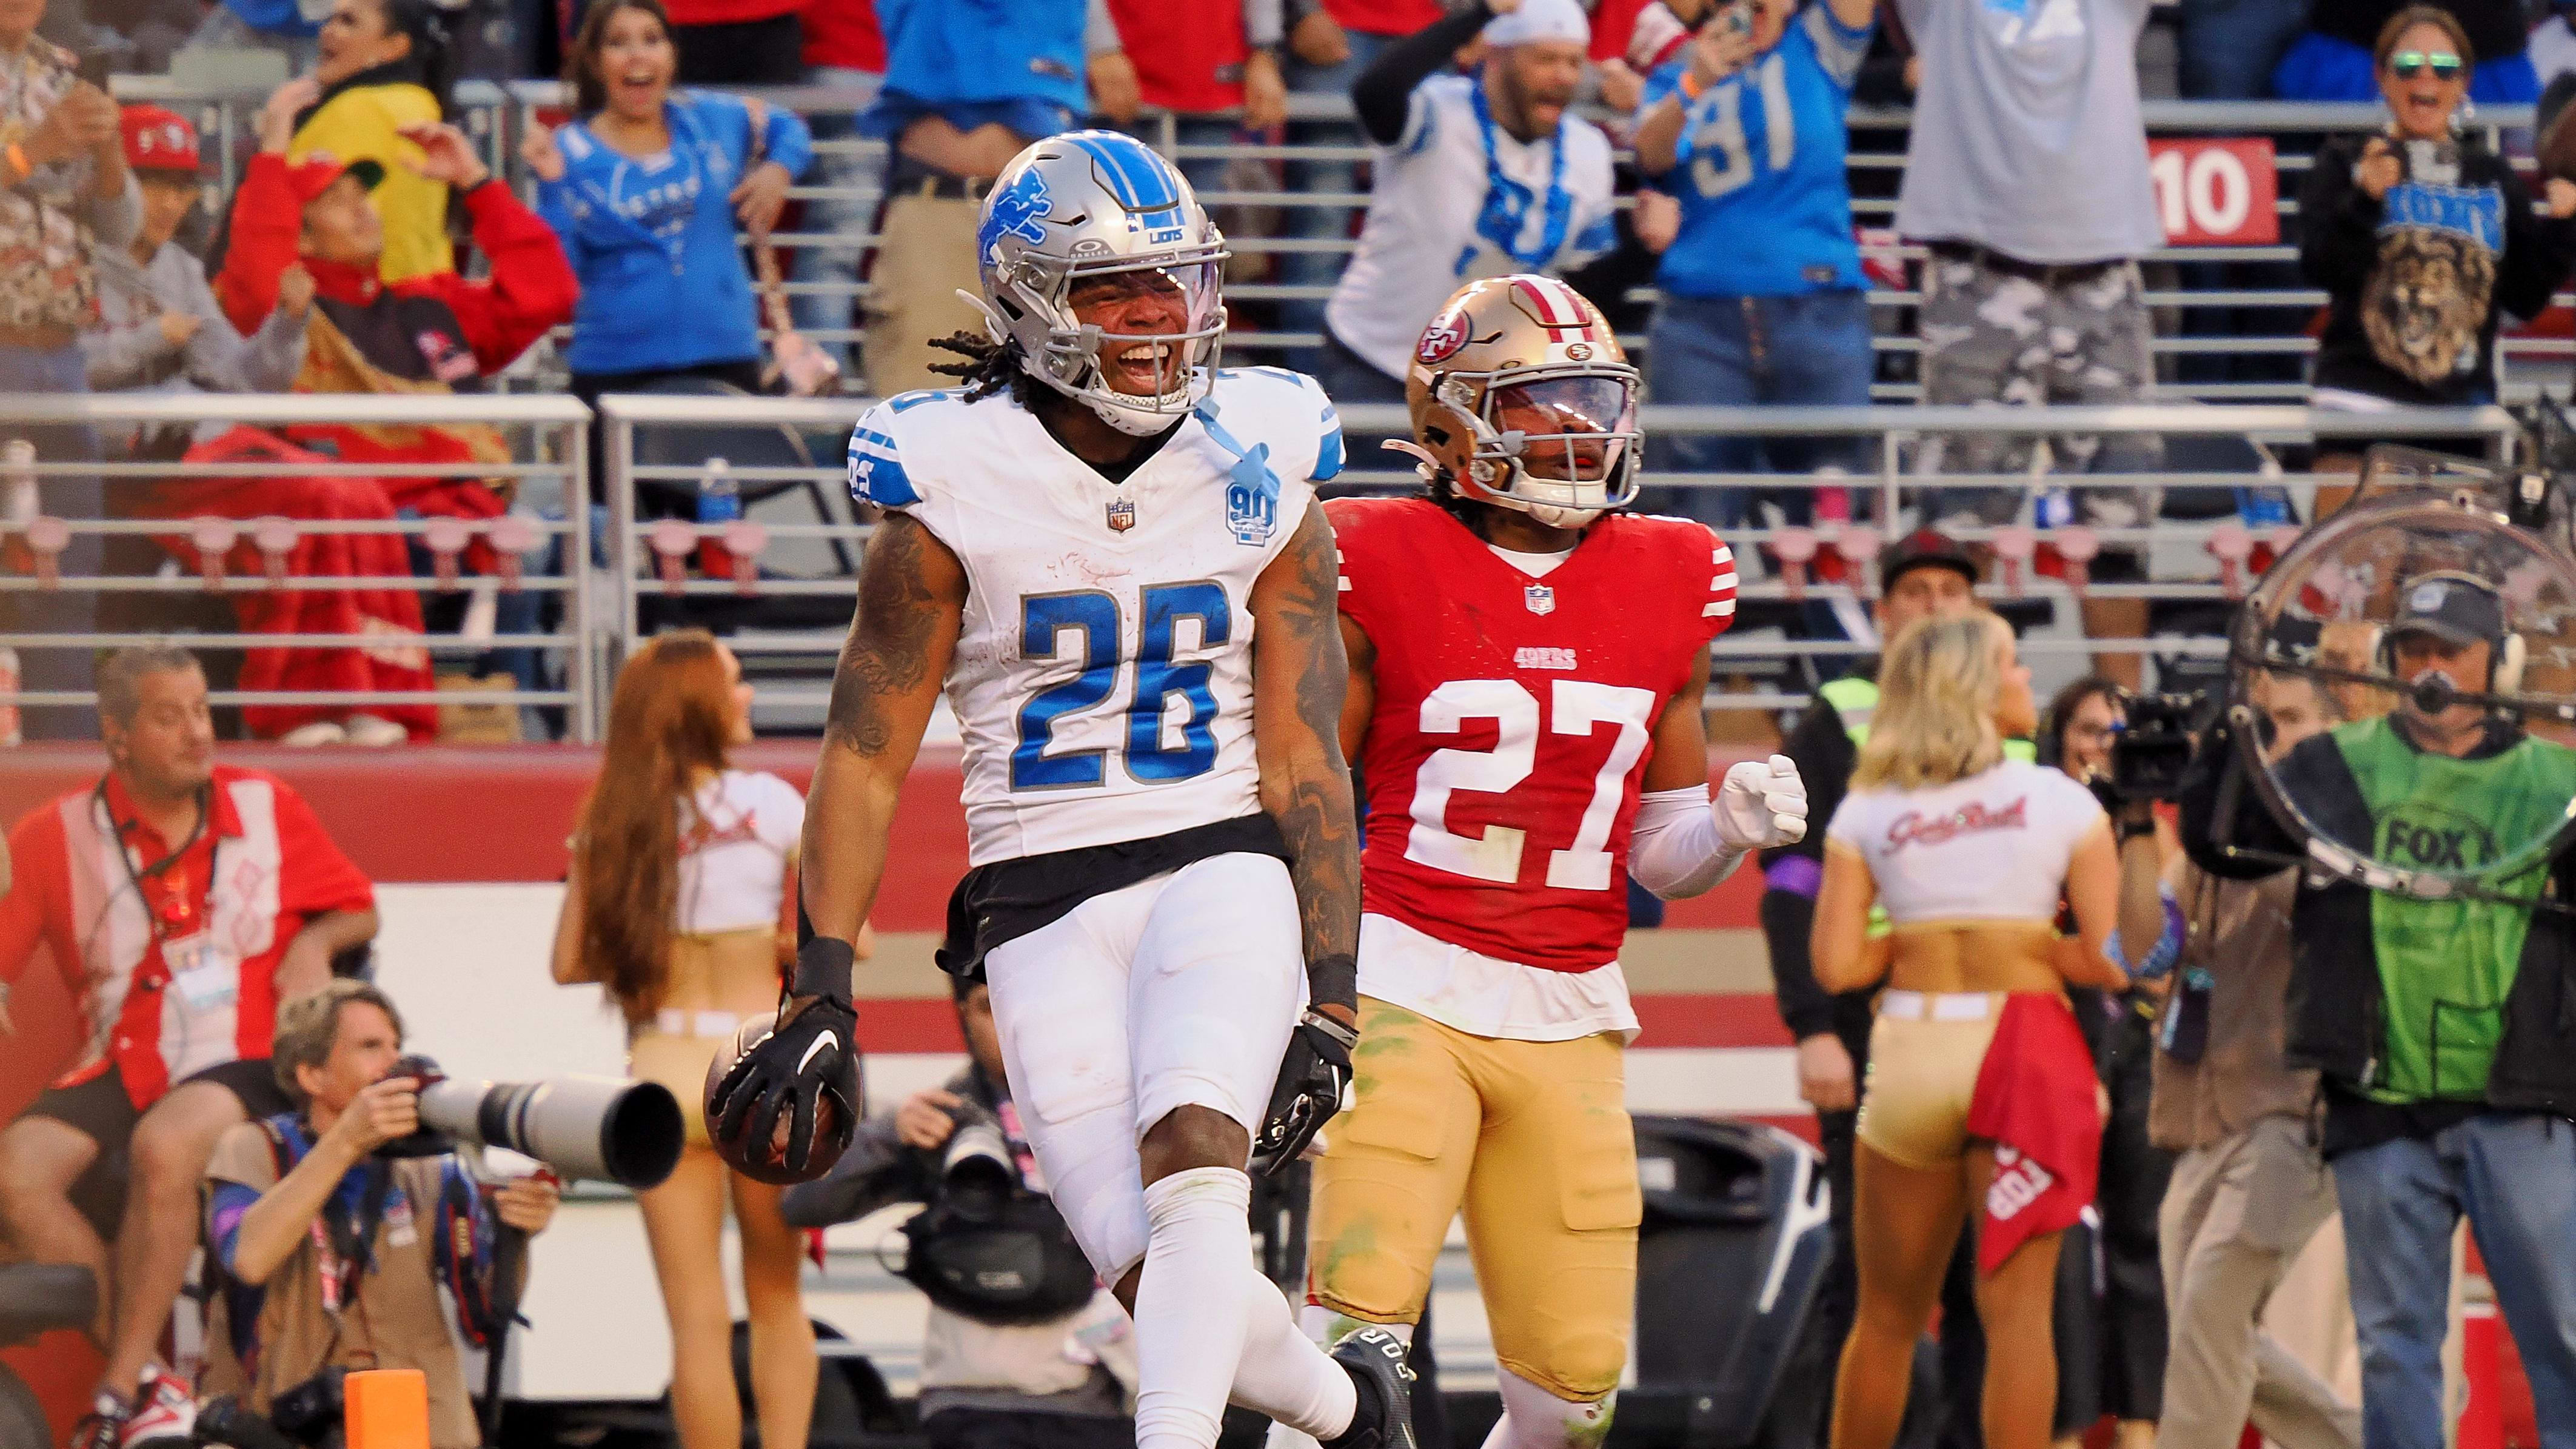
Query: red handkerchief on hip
pixel 2038 1101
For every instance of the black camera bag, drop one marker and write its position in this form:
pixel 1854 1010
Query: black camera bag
pixel 1020 1267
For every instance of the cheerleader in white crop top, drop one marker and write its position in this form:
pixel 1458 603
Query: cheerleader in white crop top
pixel 1970 854
pixel 682 905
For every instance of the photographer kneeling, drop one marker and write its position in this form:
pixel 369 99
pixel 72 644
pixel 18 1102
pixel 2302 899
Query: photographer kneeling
pixel 332 1256
pixel 1022 1347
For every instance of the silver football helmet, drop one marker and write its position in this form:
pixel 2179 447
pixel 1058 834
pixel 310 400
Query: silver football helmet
pixel 1088 204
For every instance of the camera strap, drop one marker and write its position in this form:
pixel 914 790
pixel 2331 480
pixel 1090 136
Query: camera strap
pixel 344 1242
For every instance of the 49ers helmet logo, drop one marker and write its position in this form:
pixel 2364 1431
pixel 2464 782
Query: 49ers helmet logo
pixel 1442 339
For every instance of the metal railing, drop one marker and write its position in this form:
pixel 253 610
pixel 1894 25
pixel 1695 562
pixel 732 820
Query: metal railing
pixel 633 545
pixel 791 621
pixel 1315 222
pixel 552 452
pixel 2287 302
pixel 2179 565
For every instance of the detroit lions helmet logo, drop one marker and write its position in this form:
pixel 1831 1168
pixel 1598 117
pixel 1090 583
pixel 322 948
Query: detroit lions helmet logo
pixel 1015 210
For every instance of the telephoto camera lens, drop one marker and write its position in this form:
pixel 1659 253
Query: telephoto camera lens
pixel 977 1173
pixel 582 1127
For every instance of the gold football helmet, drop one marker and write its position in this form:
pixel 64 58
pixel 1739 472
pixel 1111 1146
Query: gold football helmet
pixel 1522 398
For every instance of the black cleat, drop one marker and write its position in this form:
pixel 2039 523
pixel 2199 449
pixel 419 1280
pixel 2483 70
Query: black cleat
pixel 1374 1358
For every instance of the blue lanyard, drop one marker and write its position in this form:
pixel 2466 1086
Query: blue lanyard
pixel 1507 202
pixel 1252 487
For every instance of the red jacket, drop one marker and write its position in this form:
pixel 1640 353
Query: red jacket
pixel 843 34
pixel 733 12
pixel 1611 24
pixel 1384 17
pixel 422 329
pixel 1188 58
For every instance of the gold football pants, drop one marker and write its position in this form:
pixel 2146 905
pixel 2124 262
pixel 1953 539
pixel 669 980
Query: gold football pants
pixel 1533 1140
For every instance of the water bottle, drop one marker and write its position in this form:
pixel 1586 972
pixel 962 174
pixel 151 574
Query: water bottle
pixel 2263 507
pixel 18 497
pixel 2267 504
pixel 2054 508
pixel 10 730
pixel 719 503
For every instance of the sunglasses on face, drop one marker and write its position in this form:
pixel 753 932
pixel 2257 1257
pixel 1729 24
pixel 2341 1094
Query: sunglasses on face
pixel 2408 64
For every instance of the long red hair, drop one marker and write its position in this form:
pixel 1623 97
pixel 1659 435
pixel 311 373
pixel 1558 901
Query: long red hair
pixel 668 722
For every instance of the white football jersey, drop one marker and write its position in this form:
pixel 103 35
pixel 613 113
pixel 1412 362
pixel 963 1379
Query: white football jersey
pixel 1438 204
pixel 1103 674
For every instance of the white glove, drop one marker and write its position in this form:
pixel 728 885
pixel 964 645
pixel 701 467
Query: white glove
pixel 1761 806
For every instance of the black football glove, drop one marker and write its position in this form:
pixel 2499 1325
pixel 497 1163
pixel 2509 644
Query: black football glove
pixel 805 1068
pixel 1312 1078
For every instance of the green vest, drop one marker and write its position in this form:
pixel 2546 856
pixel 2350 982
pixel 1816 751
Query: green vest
pixel 2446 966
pixel 1855 699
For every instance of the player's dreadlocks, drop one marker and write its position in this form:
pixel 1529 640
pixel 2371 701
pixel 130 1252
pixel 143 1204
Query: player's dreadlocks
pixel 1443 490
pixel 989 368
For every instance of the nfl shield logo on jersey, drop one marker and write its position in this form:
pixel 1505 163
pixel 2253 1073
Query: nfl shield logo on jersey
pixel 1540 598
pixel 1122 515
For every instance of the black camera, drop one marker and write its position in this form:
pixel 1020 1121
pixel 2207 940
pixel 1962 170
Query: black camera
pixel 2153 747
pixel 313 1411
pixel 985 1246
pixel 310 1414
pixel 225 1421
pixel 977 1174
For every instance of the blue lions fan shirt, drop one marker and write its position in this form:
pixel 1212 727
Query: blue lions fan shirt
pixel 1759 169
pixel 663 283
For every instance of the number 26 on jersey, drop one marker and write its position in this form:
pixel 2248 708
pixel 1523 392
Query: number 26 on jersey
pixel 1170 707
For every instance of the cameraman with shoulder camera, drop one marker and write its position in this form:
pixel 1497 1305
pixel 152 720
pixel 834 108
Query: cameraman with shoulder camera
pixel 1023 1348
pixel 2439 1027
pixel 2249 1189
pixel 330 1256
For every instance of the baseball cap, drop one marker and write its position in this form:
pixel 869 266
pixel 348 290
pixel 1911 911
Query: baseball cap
pixel 2455 607
pixel 314 174
pixel 158 139
pixel 1924 548
pixel 1540 20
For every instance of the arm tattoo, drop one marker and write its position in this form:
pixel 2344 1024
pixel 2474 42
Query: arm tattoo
pixel 1314 811
pixel 888 649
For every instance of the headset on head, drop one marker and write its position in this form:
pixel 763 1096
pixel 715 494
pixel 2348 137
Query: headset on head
pixel 2504 673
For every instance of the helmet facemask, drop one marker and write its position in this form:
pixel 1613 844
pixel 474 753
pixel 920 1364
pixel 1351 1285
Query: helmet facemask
pixel 1559 443
pixel 1038 289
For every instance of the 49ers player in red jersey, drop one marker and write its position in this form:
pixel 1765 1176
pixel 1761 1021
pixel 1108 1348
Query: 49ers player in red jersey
pixel 1527 667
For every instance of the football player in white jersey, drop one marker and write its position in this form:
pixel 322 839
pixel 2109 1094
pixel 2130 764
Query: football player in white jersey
pixel 1111 554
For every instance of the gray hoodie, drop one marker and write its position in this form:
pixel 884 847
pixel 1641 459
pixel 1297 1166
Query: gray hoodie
pixel 128 353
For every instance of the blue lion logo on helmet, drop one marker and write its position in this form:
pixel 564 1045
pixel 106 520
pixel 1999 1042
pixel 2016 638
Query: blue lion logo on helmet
pixel 1015 210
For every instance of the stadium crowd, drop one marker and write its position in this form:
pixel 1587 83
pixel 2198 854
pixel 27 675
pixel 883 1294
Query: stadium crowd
pixel 368 248
pixel 1719 175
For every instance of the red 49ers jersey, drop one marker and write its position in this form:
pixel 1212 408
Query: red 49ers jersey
pixel 1514 716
